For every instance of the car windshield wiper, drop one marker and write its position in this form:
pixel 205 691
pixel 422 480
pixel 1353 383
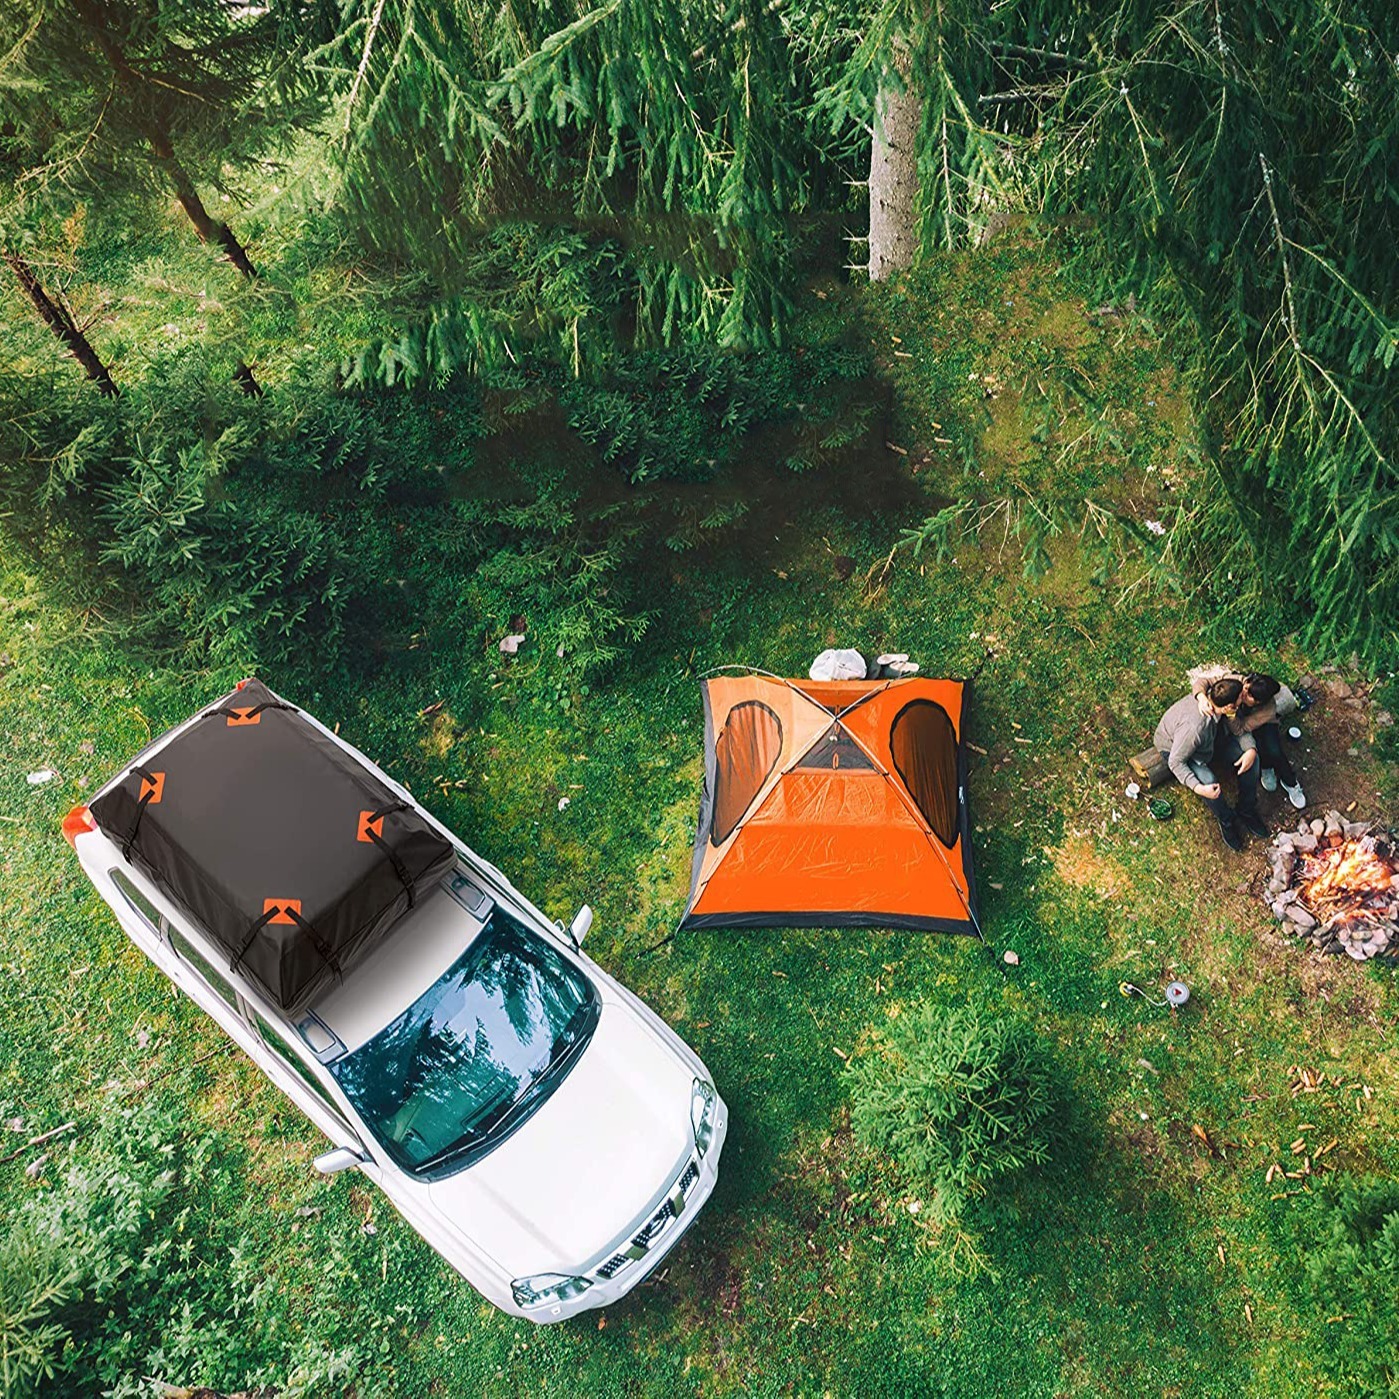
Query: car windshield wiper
pixel 509 1115
pixel 501 1120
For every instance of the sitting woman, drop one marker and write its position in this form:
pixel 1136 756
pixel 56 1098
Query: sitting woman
pixel 1258 715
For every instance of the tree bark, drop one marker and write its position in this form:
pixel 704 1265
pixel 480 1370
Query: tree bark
pixel 209 229
pixel 61 323
pixel 246 380
pixel 893 184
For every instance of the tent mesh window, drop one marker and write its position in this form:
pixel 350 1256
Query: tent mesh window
pixel 924 745
pixel 835 750
pixel 745 754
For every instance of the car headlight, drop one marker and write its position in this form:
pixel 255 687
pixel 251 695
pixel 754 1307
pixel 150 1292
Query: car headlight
pixel 704 1103
pixel 544 1288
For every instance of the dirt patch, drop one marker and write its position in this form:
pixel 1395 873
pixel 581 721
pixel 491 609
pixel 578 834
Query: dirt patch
pixel 441 735
pixel 1076 862
pixel 1138 1138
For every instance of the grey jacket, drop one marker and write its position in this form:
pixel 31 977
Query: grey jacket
pixel 1186 737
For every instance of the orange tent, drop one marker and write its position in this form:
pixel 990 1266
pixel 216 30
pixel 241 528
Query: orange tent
pixel 833 803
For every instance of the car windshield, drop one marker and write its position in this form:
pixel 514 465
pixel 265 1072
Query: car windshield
pixel 475 1054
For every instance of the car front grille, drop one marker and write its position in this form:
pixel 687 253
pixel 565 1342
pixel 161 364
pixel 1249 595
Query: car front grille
pixel 671 1208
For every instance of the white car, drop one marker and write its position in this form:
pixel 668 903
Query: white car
pixel 594 1131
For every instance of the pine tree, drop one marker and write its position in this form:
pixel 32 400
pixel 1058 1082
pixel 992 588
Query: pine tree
pixel 109 98
pixel 1243 151
pixel 641 153
pixel 111 102
pixel 59 319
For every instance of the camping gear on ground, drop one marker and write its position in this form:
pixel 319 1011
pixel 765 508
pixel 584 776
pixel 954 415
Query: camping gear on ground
pixel 1177 993
pixel 844 664
pixel 833 804
pixel 1160 808
pixel 291 855
pixel 891 665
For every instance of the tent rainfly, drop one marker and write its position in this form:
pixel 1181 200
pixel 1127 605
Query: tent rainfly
pixel 833 804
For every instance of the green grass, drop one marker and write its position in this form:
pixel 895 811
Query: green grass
pixel 1123 1269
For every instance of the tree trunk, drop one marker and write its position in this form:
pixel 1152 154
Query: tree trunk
pixel 209 229
pixel 893 182
pixel 246 380
pixel 61 323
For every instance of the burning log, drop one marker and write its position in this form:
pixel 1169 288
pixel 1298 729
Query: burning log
pixel 1336 882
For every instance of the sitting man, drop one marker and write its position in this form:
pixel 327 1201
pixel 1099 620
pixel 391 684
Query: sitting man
pixel 1190 736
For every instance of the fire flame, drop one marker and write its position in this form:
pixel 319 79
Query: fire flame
pixel 1352 871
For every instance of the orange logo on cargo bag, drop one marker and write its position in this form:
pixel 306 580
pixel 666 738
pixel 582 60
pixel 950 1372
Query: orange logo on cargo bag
pixel 152 788
pixel 238 717
pixel 284 909
pixel 369 829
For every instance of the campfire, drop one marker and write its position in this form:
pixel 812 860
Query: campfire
pixel 1337 882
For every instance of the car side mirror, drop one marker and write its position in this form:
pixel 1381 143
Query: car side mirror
pixel 331 1163
pixel 582 921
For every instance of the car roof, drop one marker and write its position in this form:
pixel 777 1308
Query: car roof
pixel 427 942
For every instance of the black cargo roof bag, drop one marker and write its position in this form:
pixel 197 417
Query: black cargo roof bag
pixel 283 847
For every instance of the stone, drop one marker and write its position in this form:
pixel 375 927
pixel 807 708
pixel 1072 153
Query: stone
pixel 1339 688
pixel 1318 827
pixel 1299 915
pixel 1306 843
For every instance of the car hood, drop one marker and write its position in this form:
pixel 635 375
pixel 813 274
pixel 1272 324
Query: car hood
pixel 584 1168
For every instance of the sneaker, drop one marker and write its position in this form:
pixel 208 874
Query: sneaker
pixel 1295 795
pixel 1269 780
pixel 1233 836
pixel 1254 824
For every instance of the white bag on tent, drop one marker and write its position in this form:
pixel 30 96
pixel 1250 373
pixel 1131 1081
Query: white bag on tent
pixel 846 664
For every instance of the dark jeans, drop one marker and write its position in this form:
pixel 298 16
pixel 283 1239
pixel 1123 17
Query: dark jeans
pixel 1271 755
pixel 1227 751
